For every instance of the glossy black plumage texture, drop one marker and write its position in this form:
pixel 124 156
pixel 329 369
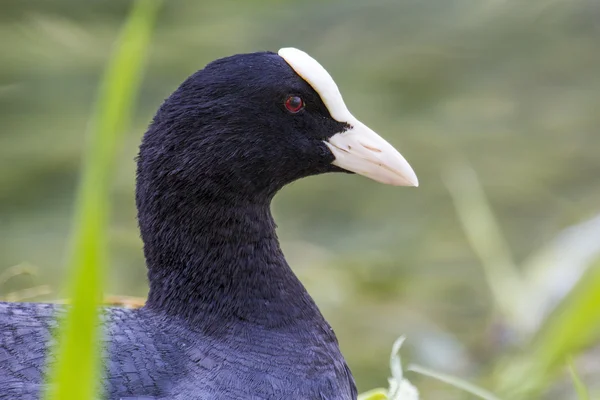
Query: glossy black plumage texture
pixel 226 318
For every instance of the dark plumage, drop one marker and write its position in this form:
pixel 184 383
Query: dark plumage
pixel 226 318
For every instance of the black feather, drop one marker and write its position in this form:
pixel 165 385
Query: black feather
pixel 226 318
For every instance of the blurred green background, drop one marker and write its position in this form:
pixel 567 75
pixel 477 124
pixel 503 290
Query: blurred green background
pixel 496 104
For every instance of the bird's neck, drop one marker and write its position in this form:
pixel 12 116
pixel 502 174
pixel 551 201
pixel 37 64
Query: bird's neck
pixel 212 263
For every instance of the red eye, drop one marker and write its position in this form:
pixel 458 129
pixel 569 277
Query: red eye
pixel 294 104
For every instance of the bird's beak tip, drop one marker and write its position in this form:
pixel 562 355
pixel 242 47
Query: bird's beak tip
pixel 362 151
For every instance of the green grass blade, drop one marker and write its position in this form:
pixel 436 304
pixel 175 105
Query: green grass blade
pixel 454 381
pixel 582 392
pixel 484 234
pixel 76 370
pixel 573 326
pixel 553 270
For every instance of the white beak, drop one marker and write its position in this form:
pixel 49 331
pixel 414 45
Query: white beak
pixel 364 152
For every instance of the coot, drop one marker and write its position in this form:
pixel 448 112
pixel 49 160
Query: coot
pixel 226 318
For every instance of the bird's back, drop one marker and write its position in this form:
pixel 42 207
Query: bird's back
pixel 251 362
pixel 147 357
pixel 25 332
pixel 139 361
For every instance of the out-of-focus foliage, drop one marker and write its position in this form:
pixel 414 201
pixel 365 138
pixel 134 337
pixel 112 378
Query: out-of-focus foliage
pixel 510 88
pixel 76 373
pixel 399 387
pixel 582 393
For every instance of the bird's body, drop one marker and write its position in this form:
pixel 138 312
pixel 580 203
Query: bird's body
pixel 226 318
pixel 154 358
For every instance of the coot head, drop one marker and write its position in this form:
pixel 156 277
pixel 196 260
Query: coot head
pixel 246 125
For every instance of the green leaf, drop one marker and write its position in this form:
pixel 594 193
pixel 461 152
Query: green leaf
pixel 454 381
pixel 399 387
pixel 573 326
pixel 582 392
pixel 487 241
pixel 75 373
pixel 375 394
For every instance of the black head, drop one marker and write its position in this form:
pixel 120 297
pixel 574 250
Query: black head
pixel 247 123
pixel 251 123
